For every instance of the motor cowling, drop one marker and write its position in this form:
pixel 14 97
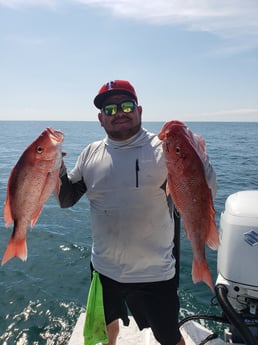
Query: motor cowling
pixel 238 251
pixel 237 282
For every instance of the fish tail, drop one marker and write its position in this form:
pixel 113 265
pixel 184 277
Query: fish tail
pixel 201 273
pixel 15 248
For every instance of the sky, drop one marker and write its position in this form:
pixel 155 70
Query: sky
pixel 191 60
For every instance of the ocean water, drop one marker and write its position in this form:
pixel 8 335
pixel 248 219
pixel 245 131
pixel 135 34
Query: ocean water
pixel 41 299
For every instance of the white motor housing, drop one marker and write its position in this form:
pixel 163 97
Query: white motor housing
pixel 238 251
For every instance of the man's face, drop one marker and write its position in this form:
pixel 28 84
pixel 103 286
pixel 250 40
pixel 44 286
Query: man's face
pixel 122 125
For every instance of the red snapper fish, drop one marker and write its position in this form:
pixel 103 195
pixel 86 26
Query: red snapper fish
pixel 32 180
pixel 185 154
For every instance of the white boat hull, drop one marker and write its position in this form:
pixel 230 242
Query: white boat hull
pixel 192 331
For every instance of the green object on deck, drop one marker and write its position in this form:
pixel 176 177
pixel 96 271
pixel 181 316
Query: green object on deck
pixel 95 329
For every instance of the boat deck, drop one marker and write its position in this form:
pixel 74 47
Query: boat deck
pixel 192 332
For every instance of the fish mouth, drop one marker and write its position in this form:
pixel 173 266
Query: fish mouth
pixel 54 135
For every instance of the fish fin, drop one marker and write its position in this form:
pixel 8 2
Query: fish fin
pixel 212 239
pixel 8 218
pixel 58 186
pixel 201 273
pixel 187 233
pixel 200 146
pixel 167 189
pixel 15 248
pixel 36 216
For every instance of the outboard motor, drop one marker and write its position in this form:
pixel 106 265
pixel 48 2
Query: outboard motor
pixel 237 283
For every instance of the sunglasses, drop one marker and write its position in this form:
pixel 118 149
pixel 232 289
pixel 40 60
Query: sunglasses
pixel 125 106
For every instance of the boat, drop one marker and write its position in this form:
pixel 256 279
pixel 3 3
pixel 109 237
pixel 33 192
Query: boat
pixel 236 286
pixel 192 331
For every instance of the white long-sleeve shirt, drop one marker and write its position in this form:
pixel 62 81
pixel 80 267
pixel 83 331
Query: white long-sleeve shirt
pixel 132 226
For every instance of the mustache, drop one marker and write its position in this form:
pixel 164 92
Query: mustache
pixel 122 117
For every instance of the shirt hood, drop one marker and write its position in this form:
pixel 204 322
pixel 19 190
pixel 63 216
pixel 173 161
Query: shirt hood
pixel 138 140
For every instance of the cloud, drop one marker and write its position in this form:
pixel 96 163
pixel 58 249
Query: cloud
pixel 234 21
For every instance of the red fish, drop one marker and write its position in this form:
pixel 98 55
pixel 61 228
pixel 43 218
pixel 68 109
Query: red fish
pixel 185 154
pixel 31 182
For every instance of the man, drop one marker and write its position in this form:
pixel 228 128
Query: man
pixel 124 178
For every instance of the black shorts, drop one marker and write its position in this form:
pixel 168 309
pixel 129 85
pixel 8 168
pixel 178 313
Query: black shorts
pixel 154 305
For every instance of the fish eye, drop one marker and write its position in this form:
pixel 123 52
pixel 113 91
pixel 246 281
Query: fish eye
pixel 178 150
pixel 40 149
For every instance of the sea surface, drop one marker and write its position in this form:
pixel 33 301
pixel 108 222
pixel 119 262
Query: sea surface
pixel 41 299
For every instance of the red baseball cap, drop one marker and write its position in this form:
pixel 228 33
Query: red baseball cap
pixel 114 87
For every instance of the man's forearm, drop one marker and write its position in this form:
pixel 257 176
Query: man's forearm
pixel 70 192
